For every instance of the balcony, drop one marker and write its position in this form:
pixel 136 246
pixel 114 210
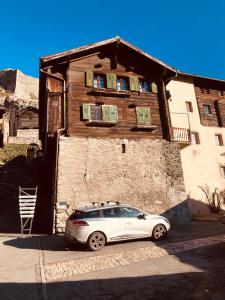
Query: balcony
pixel 182 135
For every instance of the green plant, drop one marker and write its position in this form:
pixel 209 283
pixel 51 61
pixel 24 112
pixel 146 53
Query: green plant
pixel 215 199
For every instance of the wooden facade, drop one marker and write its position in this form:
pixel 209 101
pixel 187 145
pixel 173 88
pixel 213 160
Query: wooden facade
pixel 210 95
pixel 27 118
pixel 94 75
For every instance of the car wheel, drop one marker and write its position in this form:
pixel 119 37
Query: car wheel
pixel 159 232
pixel 96 241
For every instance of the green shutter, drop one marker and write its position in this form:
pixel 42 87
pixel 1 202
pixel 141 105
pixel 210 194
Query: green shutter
pixel 89 78
pixel 143 115
pixel 134 83
pixel 86 111
pixel 109 113
pixel 111 81
pixel 154 87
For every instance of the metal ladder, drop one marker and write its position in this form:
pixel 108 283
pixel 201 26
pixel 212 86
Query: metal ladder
pixel 27 204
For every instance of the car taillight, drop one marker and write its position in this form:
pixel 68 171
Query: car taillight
pixel 80 223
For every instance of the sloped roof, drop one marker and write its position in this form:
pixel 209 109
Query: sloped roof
pixel 200 77
pixel 116 39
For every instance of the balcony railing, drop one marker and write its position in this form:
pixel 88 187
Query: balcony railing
pixel 181 135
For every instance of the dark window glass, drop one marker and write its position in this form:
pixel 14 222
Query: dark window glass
pixel 129 212
pixel 143 86
pixel 78 214
pixel 207 109
pixel 114 212
pixel 122 84
pixel 99 81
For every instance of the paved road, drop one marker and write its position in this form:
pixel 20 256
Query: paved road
pixel 197 273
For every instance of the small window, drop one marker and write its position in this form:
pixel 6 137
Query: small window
pixel 122 84
pixel 96 112
pixel 195 138
pixel 218 139
pixel 222 171
pixel 144 86
pixel 189 107
pixel 207 109
pixel 204 90
pixel 221 93
pixel 99 81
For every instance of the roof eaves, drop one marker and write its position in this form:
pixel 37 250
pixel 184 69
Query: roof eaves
pixel 201 77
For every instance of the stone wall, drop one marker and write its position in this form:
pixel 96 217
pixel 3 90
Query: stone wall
pixel 25 136
pixel 148 175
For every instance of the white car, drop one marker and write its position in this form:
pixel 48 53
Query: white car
pixel 105 223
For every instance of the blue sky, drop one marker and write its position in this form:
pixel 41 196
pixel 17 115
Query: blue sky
pixel 188 35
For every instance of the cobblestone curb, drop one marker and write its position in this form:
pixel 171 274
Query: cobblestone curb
pixel 65 269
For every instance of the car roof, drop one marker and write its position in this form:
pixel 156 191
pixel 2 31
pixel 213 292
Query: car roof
pixel 97 207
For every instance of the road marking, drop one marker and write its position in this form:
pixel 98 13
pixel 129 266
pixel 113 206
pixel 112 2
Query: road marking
pixel 57 271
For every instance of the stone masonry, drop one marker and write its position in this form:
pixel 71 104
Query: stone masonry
pixel 148 175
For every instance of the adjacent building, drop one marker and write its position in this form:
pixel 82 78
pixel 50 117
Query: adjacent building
pixel 197 111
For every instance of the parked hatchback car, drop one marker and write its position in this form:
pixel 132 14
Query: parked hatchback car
pixel 104 223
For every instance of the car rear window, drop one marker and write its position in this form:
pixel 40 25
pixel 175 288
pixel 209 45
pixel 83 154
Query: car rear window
pixel 79 214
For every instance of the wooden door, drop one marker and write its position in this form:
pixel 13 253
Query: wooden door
pixel 55 115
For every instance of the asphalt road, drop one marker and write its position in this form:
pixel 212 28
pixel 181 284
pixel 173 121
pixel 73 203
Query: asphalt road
pixel 194 274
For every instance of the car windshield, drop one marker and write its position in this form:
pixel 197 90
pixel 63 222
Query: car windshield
pixel 79 214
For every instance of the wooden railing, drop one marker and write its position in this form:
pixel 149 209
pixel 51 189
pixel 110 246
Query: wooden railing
pixel 181 134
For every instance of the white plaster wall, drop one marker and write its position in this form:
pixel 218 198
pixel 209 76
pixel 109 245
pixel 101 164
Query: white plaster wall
pixel 201 163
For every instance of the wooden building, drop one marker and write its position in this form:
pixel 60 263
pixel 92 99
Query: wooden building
pixel 105 128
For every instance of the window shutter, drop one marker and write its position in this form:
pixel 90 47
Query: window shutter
pixel 111 81
pixel 154 87
pixel 109 113
pixel 86 111
pixel 134 83
pixel 143 115
pixel 89 78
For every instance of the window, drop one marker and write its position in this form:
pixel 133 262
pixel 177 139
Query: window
pixel 195 138
pixel 143 115
pixel 189 107
pixel 207 109
pixel 122 84
pixel 222 171
pixel 221 93
pixel 79 214
pixel 218 139
pixel 100 113
pixel 112 212
pixel 96 113
pixel 204 90
pixel 144 86
pixel 99 81
pixel 129 212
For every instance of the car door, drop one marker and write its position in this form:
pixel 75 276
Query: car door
pixel 135 225
pixel 113 223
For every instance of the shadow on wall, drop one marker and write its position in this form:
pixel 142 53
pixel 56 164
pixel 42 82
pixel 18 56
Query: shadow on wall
pixel 14 173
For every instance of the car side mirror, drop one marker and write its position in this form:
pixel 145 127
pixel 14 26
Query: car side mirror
pixel 142 217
